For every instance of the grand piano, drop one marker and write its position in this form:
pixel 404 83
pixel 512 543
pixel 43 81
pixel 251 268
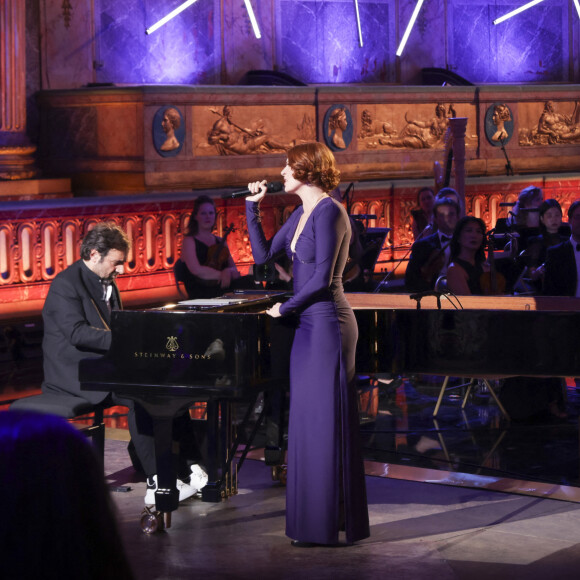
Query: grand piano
pixel 166 359
pixel 443 334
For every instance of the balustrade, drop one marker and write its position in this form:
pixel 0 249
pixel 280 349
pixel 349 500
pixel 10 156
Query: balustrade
pixel 39 239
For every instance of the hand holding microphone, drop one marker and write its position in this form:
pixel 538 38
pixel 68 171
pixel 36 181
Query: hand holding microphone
pixel 258 190
pixel 255 188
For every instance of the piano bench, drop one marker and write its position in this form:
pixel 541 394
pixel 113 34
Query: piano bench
pixel 69 407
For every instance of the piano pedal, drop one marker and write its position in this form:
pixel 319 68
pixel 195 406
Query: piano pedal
pixel 279 473
pixel 154 521
pixel 273 456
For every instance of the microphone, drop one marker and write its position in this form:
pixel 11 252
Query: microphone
pixel 273 187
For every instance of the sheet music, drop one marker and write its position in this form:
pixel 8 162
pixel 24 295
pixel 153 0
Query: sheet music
pixel 212 301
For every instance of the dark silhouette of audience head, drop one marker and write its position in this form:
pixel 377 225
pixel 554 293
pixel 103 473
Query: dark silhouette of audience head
pixel 57 515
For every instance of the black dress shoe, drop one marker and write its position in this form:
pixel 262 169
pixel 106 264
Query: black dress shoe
pixel 298 544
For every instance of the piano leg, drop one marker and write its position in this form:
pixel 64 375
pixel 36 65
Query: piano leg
pixel 162 411
pixel 167 495
pixel 214 490
pixel 222 445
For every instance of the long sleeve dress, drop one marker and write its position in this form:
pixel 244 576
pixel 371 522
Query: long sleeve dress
pixel 325 486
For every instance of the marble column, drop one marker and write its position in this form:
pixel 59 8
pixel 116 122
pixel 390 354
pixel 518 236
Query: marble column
pixel 458 126
pixel 16 151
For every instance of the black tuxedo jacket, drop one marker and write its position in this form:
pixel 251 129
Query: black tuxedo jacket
pixel 76 326
pixel 561 277
pixel 420 253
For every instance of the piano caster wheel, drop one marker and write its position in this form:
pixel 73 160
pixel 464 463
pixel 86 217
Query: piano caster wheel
pixel 279 473
pixel 152 521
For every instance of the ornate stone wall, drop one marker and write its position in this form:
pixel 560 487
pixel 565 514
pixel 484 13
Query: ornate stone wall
pixel 114 139
pixel 39 239
pixel 315 41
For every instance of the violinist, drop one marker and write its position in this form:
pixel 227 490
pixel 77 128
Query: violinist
pixel 467 257
pixel 206 266
pixel 552 234
pixel 430 256
pixel 562 267
pixel 525 217
pixel 449 192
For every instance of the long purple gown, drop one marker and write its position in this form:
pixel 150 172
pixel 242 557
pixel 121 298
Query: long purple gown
pixel 326 486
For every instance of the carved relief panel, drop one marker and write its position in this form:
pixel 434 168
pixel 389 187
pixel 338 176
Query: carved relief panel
pixel 410 126
pixel 251 130
pixel 549 123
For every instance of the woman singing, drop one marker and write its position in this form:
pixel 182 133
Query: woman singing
pixel 326 486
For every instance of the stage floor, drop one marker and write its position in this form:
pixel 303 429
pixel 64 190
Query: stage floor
pixel 418 531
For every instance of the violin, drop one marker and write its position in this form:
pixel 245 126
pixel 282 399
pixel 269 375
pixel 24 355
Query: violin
pixel 219 255
pixel 493 282
pixel 434 264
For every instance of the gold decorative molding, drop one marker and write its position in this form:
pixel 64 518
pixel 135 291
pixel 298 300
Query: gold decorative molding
pixel 17 163
pixel 27 150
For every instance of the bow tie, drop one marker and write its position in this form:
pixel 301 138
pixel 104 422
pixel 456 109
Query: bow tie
pixel 448 239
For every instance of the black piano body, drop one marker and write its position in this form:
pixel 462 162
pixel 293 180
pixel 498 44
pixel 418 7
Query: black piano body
pixel 167 359
pixel 468 335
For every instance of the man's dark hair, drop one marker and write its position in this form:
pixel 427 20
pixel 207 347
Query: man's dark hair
pixel 573 207
pixel 445 201
pixel 103 237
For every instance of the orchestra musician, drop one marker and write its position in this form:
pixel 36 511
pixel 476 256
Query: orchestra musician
pixel 423 214
pixel 206 266
pixel 525 217
pixel 552 234
pixel 562 266
pixel 468 264
pixel 326 487
pixel 430 256
pixel 450 193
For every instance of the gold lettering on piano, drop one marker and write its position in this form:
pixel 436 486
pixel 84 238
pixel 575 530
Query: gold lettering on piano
pixel 172 345
pixel 172 355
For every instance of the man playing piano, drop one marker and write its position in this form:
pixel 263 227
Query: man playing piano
pixel 76 316
pixel 430 256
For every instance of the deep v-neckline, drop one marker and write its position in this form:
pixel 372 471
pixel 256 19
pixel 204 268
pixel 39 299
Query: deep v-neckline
pixel 302 225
